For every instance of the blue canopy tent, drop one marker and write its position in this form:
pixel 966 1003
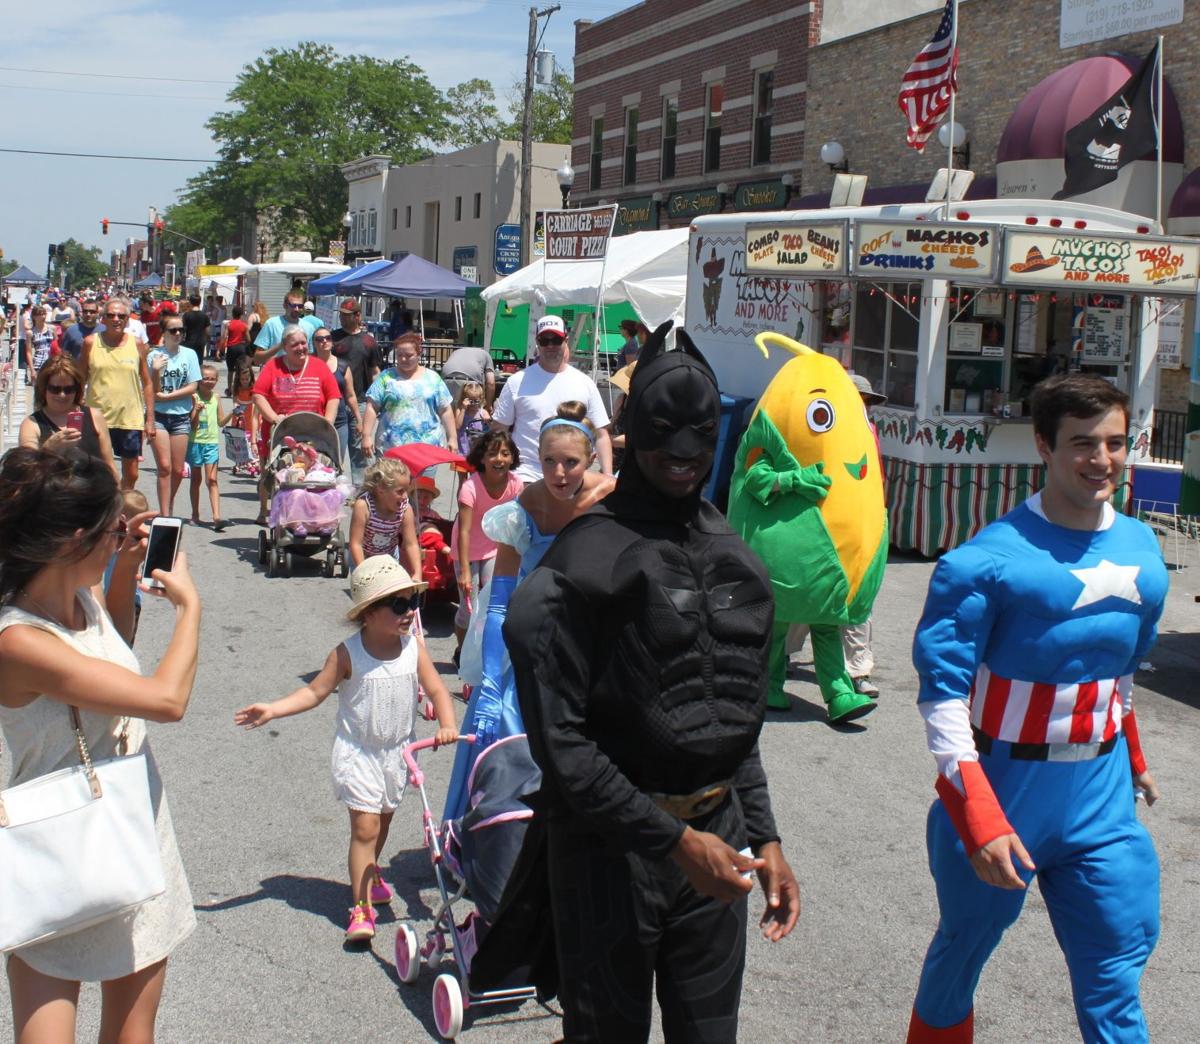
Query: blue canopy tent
pixel 23 276
pixel 152 282
pixel 334 283
pixel 413 276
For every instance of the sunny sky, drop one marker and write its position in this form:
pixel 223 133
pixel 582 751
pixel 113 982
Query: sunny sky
pixel 49 198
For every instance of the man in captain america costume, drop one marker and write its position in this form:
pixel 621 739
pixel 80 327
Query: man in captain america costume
pixel 1026 652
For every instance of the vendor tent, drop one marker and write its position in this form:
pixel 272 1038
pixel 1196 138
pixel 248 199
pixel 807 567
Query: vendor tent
pixel 412 276
pixel 332 284
pixel 647 269
pixel 223 285
pixel 152 282
pixel 23 276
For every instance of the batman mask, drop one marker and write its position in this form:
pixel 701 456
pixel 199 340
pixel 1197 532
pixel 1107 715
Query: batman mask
pixel 673 412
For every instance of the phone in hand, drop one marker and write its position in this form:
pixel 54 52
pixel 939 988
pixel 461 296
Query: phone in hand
pixel 75 420
pixel 161 548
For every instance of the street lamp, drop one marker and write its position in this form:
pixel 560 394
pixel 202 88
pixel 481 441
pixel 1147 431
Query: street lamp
pixel 566 178
pixel 833 154
pixel 954 135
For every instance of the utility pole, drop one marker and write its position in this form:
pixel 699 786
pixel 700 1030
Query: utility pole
pixel 527 130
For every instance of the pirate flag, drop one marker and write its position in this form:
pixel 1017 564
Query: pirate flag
pixel 1120 131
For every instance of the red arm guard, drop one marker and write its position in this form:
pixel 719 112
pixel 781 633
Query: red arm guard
pixel 1137 760
pixel 977 817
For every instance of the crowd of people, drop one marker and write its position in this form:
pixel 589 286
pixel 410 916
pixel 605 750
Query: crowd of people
pixel 615 620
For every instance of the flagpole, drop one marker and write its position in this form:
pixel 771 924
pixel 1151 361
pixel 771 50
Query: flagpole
pixel 953 95
pixel 1158 135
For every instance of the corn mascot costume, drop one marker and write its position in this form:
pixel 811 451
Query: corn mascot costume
pixel 807 496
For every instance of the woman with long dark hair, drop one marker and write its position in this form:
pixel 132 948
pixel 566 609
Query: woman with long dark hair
pixel 59 407
pixel 63 645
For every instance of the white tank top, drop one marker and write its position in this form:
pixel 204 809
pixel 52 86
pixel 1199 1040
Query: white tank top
pixel 377 705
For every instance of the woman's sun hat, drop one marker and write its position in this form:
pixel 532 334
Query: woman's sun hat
pixel 376 578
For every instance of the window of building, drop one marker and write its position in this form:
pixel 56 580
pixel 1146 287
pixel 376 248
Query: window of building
pixel 631 132
pixel 353 244
pixel 395 217
pixel 372 229
pixel 478 205
pixel 458 208
pixel 884 333
pixel 670 133
pixel 597 152
pixel 408 217
pixel 764 105
pixel 712 127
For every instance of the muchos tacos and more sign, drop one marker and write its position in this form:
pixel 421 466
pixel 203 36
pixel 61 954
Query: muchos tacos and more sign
pixel 887 250
pixel 1124 264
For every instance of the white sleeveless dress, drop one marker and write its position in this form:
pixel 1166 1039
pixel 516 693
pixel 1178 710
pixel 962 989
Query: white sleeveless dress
pixel 40 739
pixel 377 711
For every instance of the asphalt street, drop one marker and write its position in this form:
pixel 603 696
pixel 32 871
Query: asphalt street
pixel 264 842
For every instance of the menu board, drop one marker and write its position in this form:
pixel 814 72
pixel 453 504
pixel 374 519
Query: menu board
pixel 1079 261
pixel 808 249
pixel 1104 329
pixel 904 250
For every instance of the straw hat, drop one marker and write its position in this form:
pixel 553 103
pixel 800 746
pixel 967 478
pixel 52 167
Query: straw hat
pixel 622 377
pixel 376 578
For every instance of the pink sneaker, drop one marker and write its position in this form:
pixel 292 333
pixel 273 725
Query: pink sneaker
pixel 381 894
pixel 362 923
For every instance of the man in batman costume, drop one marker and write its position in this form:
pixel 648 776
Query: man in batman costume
pixel 640 649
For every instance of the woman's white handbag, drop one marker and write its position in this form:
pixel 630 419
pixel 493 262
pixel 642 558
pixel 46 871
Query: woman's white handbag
pixel 77 847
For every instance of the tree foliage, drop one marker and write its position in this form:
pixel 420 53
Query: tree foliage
pixel 296 116
pixel 474 117
pixel 82 266
pixel 553 110
pixel 7 266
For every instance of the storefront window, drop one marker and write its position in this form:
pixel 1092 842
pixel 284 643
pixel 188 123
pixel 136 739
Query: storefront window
pixel 835 317
pixel 976 349
pixel 885 338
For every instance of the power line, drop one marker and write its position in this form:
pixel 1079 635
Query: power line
pixel 102 155
pixel 112 76
pixel 107 94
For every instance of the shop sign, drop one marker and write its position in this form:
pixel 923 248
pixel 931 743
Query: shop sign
pixel 539 235
pixel 923 250
pixel 462 257
pixel 216 270
pixel 760 195
pixel 579 235
pixel 1125 264
pixel 636 215
pixel 506 255
pixel 801 249
pixel 337 250
pixel 692 204
pixel 1086 21
pixel 1170 336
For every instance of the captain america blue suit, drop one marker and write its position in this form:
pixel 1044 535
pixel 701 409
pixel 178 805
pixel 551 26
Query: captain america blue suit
pixel 1026 650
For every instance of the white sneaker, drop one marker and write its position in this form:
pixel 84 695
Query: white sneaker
pixel 865 687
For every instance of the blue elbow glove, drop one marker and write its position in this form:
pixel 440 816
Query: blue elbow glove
pixel 488 707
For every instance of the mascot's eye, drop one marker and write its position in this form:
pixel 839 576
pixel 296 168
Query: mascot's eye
pixel 662 426
pixel 820 415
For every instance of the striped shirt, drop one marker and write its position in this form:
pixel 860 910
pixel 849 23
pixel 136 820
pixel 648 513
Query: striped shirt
pixel 381 536
pixel 310 388
pixel 1041 712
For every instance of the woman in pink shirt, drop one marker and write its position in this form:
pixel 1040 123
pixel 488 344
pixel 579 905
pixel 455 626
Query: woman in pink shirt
pixel 493 482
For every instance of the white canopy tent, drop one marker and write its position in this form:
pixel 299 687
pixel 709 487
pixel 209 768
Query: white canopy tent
pixel 647 269
pixel 224 285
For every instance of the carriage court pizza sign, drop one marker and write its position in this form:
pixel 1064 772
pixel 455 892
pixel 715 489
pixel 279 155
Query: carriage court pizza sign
pixel 809 249
pixel 579 235
pixel 1086 21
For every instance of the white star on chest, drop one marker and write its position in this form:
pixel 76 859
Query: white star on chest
pixel 1107 580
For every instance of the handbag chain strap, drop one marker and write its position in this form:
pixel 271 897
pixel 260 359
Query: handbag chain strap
pixel 85 755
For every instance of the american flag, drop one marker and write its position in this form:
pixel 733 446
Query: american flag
pixel 927 85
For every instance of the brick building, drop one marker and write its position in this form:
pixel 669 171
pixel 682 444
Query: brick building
pixel 688 108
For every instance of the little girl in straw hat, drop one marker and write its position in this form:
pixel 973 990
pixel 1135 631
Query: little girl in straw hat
pixel 378 670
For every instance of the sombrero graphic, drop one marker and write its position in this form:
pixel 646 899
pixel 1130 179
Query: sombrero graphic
pixel 1034 261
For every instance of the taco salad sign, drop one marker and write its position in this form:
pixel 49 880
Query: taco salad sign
pixel 1102 262
pixel 808 250
pixel 923 250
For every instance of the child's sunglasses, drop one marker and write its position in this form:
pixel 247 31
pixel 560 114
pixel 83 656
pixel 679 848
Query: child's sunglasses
pixel 402 604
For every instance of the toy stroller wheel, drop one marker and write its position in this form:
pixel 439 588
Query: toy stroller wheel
pixel 263 550
pixel 285 563
pixel 345 564
pixel 408 959
pixel 447 1006
pixel 328 566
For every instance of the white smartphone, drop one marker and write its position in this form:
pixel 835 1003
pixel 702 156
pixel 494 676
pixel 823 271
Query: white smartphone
pixel 161 548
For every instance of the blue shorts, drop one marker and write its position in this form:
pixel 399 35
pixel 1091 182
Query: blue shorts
pixel 174 423
pixel 126 443
pixel 203 453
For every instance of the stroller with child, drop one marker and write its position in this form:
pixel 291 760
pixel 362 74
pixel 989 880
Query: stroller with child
pixel 307 493
pixel 481 850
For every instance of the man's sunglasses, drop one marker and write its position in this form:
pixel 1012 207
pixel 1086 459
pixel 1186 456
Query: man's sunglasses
pixel 401 604
pixel 172 329
pixel 546 342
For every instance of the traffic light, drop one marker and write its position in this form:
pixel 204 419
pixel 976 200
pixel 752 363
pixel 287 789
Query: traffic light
pixel 52 251
pixel 60 251
pixel 104 226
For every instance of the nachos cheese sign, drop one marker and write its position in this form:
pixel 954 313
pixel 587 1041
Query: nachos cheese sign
pixel 924 250
pixel 1142 264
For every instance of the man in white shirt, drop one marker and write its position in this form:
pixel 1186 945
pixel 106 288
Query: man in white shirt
pixel 531 397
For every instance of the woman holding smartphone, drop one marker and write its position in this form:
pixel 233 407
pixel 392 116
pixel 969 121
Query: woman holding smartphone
pixel 61 419
pixel 63 644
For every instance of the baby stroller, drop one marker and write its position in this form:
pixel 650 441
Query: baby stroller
pixel 481 850
pixel 306 492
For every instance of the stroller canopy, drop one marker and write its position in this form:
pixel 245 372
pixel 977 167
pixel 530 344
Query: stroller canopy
pixel 308 427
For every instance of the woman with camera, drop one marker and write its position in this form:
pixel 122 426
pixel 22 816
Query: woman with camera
pixel 64 658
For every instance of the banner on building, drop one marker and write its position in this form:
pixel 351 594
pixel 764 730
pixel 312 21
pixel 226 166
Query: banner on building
pixel 579 235
pixel 337 250
pixel 1086 21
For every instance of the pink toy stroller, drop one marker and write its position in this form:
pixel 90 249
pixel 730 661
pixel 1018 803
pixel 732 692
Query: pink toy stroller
pixel 491 832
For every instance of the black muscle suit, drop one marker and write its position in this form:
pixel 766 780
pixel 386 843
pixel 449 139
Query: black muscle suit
pixel 640 647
